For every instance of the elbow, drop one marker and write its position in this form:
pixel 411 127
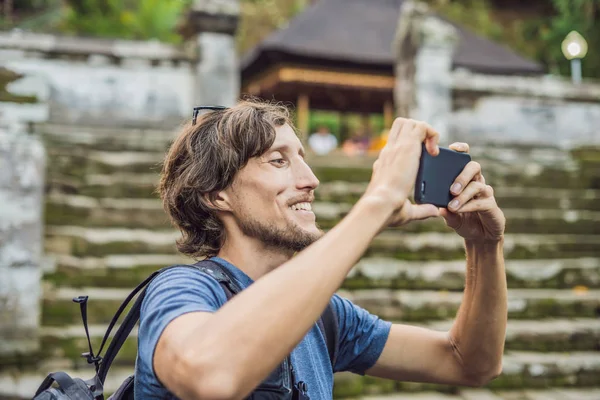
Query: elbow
pixel 482 377
pixel 217 386
pixel 211 380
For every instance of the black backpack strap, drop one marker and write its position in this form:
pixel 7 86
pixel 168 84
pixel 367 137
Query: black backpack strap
pixel 209 267
pixel 328 324
pixel 221 275
pixel 63 380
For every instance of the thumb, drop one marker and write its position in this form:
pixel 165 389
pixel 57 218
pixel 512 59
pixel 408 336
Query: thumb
pixel 423 211
pixel 452 220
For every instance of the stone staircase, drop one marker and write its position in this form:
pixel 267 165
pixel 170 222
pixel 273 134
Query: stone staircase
pixel 106 231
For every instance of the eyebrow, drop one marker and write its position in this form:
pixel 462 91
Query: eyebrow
pixel 285 147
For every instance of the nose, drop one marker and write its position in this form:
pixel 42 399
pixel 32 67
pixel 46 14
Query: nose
pixel 305 178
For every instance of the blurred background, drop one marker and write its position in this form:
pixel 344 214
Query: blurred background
pixel 92 92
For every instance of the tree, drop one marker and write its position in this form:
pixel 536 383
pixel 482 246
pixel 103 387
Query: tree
pixel 127 19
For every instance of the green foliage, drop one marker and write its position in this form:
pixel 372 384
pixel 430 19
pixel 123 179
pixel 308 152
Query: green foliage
pixel 582 16
pixel 538 37
pixel 475 14
pixel 261 17
pixel 126 19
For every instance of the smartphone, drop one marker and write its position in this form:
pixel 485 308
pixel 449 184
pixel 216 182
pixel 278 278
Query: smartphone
pixel 437 174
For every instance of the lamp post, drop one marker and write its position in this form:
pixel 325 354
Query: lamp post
pixel 574 48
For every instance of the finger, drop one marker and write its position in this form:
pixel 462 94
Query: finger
pixel 395 130
pixel 480 178
pixel 423 211
pixel 432 139
pixel 473 189
pixel 452 220
pixel 482 204
pixel 471 170
pixel 460 147
pixel 408 128
pixel 422 132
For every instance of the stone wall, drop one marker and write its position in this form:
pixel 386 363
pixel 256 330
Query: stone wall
pixel 548 111
pixel 479 108
pixel 22 168
pixel 106 82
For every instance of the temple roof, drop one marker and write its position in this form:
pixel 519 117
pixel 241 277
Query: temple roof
pixel 359 33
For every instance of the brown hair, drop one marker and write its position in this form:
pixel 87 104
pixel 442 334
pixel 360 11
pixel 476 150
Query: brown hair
pixel 204 160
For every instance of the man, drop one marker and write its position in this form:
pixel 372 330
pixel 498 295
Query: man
pixel 237 186
pixel 322 142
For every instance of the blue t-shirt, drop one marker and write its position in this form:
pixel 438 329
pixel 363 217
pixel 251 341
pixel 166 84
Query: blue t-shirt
pixel 177 291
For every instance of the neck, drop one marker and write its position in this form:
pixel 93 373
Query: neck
pixel 252 257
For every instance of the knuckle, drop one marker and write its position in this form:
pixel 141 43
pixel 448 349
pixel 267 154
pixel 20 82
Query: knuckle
pixel 399 121
pixel 489 190
pixel 476 165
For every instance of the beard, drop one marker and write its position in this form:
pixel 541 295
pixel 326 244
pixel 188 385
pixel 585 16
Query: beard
pixel 292 238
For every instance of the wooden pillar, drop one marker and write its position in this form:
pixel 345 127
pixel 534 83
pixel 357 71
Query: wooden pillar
pixel 344 134
pixel 365 125
pixel 388 114
pixel 303 114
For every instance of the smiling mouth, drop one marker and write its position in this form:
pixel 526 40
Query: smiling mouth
pixel 301 207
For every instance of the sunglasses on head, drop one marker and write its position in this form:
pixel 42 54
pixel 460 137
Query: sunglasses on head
pixel 198 109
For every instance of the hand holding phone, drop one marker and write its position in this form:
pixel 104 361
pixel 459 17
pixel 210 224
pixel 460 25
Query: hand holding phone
pixel 437 174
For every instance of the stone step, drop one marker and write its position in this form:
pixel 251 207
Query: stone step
pixel 126 271
pixel 62 209
pixel 521 370
pixel 427 305
pixel 87 211
pixel 99 242
pixel 116 185
pixel 506 196
pixel 517 220
pixel 555 335
pixel 371 273
pixel 486 394
pixel 142 185
pixel 446 246
pixel 549 335
pixel 75 162
pixel 394 305
pixel 105 139
pixel 558 374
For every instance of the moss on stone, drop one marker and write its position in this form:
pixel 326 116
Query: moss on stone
pixel 330 174
pixel 66 312
pixel 348 386
pixel 130 191
pixel 7 76
pixel 101 277
pixel 373 385
pixel 61 214
pixel 72 348
pixel 83 248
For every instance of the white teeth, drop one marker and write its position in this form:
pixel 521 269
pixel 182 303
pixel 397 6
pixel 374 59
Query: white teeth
pixel 301 206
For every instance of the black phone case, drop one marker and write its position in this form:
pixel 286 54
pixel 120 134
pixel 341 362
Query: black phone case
pixel 437 174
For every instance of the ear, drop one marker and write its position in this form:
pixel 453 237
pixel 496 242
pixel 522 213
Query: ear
pixel 220 201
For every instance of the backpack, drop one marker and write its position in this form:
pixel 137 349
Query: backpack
pixel 93 389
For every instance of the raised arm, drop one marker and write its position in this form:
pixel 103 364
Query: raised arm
pixel 471 352
pixel 225 355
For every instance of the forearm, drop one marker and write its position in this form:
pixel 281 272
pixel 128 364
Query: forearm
pixel 479 331
pixel 254 331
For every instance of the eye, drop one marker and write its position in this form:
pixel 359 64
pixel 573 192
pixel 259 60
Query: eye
pixel 278 161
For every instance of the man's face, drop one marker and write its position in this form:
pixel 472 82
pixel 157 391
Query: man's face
pixel 271 197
